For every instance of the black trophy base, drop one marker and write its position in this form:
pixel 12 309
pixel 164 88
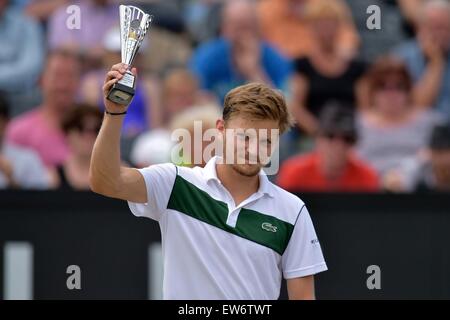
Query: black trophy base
pixel 121 94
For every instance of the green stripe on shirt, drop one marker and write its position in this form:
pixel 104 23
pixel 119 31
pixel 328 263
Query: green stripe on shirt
pixel 252 225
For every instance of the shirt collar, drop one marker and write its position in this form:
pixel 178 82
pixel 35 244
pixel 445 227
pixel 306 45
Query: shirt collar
pixel 210 173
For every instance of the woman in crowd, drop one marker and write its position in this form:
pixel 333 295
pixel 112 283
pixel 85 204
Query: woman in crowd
pixel 325 75
pixel 81 127
pixel 392 130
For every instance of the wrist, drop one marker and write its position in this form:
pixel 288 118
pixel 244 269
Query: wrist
pixel 115 113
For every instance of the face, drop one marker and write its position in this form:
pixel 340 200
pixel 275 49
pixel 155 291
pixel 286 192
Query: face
pixel 391 98
pixel 436 25
pixel 334 151
pixel 81 140
pixel 326 30
pixel 440 162
pixel 250 142
pixel 239 19
pixel 180 96
pixel 60 82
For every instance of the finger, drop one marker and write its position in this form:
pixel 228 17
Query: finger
pixel 120 67
pixel 113 75
pixel 134 71
pixel 107 86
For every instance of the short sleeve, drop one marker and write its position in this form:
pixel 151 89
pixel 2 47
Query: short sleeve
pixel 303 255
pixel 159 180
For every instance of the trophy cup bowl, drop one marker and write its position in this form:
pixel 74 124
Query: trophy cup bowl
pixel 134 24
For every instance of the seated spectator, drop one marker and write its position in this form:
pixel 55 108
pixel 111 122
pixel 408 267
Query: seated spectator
pixel 392 130
pixel 284 25
pixel 19 167
pixel 144 109
pixel 180 91
pixel 324 76
pixel 436 174
pixel 331 166
pixel 238 55
pixel 21 57
pixel 40 129
pixel 81 126
pixel 428 57
pixel 96 18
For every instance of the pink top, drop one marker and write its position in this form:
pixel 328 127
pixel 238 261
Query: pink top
pixel 32 131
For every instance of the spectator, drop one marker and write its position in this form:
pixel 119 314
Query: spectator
pixel 428 57
pixel 180 90
pixel 325 75
pixel 21 57
pixel 436 175
pixel 40 129
pixel 332 166
pixel 238 55
pixel 81 127
pixel 144 110
pixel 392 130
pixel 284 25
pixel 19 167
pixel 96 18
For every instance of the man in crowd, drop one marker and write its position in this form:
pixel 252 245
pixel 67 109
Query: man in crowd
pixel 331 166
pixel 238 55
pixel 40 129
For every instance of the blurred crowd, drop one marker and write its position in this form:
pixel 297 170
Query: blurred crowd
pixel 372 105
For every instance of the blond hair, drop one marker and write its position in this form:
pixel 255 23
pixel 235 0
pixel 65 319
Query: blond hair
pixel 319 9
pixel 257 101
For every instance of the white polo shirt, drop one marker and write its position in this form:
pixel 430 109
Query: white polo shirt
pixel 213 249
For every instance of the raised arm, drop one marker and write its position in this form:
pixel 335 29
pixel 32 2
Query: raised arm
pixel 107 176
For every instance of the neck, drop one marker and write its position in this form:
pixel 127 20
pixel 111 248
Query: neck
pixel 239 186
pixel 51 115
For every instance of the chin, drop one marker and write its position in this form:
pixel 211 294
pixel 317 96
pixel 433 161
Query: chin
pixel 248 170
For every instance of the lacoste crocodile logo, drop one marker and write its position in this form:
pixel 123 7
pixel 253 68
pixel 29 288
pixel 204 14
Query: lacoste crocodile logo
pixel 269 227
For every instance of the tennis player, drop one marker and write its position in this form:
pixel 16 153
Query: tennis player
pixel 227 232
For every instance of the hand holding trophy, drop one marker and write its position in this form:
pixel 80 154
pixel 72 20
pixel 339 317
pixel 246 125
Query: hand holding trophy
pixel 120 83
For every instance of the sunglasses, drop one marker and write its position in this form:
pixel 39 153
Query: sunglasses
pixel 392 87
pixel 88 129
pixel 347 138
